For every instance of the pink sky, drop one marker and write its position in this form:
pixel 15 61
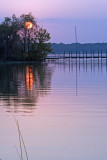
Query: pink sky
pixel 59 17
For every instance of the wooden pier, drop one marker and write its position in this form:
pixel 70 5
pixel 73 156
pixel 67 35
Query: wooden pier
pixel 79 55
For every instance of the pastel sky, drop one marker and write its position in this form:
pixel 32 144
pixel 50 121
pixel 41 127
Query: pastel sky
pixel 59 17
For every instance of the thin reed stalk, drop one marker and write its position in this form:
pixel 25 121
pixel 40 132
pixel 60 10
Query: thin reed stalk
pixel 18 152
pixel 21 142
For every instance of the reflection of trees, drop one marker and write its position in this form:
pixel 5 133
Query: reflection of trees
pixel 22 84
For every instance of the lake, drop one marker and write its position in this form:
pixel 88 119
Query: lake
pixel 61 108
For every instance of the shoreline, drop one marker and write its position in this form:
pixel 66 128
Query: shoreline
pixel 20 62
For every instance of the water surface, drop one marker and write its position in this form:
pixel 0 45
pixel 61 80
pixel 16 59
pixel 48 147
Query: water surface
pixel 61 107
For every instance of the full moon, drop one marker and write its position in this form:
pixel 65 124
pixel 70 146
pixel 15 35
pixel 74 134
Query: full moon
pixel 28 25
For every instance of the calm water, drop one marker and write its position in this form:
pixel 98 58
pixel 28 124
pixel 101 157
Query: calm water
pixel 61 107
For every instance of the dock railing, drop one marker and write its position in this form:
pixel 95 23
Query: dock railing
pixel 80 54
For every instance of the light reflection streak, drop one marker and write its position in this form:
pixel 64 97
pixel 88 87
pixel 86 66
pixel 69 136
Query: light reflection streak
pixel 29 78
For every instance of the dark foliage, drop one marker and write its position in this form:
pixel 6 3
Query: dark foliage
pixel 19 42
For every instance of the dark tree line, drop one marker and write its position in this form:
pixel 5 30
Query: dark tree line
pixel 23 39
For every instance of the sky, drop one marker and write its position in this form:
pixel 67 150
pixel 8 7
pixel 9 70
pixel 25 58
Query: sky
pixel 60 17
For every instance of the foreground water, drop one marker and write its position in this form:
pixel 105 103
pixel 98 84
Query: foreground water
pixel 61 107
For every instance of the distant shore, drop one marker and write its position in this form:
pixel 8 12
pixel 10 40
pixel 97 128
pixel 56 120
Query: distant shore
pixel 61 47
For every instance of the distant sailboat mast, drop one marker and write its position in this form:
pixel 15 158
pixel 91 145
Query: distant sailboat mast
pixel 76 37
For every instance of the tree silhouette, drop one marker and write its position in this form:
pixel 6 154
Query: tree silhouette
pixel 20 42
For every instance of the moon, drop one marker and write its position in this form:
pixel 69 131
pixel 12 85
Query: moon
pixel 28 25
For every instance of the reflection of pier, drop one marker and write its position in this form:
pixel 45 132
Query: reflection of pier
pixel 77 65
pixel 83 63
pixel 83 59
pixel 78 55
